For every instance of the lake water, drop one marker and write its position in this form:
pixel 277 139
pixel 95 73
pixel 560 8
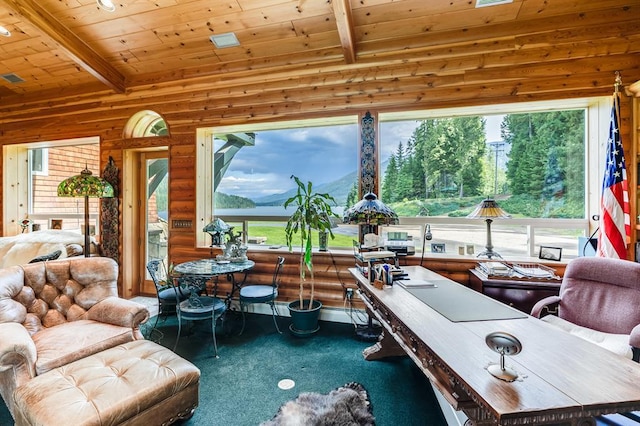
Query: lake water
pixel 266 211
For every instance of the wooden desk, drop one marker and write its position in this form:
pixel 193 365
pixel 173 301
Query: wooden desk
pixel 562 378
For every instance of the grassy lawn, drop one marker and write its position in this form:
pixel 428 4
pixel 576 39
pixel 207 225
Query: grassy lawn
pixel 275 236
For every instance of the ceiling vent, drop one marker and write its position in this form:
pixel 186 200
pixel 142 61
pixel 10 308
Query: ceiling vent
pixel 484 3
pixel 224 40
pixel 12 78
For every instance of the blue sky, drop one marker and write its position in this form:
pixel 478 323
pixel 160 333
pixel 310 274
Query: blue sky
pixel 319 154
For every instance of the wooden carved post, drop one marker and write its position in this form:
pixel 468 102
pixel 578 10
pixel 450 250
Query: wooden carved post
pixel 109 214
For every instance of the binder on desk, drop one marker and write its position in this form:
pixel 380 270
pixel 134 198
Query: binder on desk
pixel 415 284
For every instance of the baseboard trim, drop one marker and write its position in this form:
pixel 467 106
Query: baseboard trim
pixel 327 313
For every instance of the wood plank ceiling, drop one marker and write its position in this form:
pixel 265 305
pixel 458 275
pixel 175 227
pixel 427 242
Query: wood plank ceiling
pixel 303 58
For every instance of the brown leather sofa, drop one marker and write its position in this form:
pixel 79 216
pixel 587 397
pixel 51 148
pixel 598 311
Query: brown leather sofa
pixel 54 313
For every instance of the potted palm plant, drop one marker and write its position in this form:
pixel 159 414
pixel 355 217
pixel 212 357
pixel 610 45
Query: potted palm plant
pixel 313 213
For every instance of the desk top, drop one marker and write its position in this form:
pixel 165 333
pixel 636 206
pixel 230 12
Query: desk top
pixel 212 267
pixel 560 376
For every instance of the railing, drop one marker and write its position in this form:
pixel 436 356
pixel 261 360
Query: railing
pixel 514 236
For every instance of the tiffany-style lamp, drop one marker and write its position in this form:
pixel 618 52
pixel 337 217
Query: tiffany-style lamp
pixel 85 185
pixel 488 209
pixel 369 213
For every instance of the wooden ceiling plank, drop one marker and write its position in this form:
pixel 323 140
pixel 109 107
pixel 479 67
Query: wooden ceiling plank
pixel 75 48
pixel 344 23
pixel 414 30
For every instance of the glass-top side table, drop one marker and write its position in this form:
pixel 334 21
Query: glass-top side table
pixel 197 272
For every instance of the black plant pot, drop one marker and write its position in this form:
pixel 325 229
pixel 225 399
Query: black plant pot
pixel 304 322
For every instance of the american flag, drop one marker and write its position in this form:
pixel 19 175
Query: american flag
pixel 615 224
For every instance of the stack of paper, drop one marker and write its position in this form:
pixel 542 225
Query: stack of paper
pixel 494 268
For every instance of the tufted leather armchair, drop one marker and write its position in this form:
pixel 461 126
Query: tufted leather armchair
pixel 598 301
pixel 53 313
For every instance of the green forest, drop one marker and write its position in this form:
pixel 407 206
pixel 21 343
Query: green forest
pixel 447 167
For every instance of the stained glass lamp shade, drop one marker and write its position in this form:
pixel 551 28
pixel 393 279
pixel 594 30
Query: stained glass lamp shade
pixel 88 186
pixel 370 212
pixel 488 209
pixel 217 229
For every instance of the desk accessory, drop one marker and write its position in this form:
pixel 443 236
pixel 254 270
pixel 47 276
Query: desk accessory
pixel 504 344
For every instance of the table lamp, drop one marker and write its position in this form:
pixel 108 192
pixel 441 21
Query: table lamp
pixel 488 209
pixel 85 185
pixel 217 229
pixel 369 213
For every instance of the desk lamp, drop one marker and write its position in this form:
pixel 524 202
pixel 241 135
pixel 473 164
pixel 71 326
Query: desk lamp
pixel 488 209
pixel 85 185
pixel 369 213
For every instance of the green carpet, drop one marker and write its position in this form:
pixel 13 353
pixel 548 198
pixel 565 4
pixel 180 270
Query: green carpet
pixel 241 386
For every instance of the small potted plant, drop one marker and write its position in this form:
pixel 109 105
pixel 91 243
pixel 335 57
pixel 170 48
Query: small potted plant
pixel 313 213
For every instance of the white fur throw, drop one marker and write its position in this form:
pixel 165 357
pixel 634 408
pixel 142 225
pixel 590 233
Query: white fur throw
pixel 20 249
pixel 346 406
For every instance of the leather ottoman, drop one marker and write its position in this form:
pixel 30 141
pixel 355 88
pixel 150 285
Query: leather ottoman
pixel 136 383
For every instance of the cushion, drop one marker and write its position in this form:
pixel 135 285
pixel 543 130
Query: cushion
pixel 617 343
pixel 70 341
pixel 257 291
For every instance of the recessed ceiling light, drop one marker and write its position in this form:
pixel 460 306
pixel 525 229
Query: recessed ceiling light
pixel 4 32
pixel 107 5
pixel 225 40
pixel 483 3
pixel 12 78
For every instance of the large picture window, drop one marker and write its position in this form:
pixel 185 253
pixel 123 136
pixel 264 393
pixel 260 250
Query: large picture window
pixel 435 167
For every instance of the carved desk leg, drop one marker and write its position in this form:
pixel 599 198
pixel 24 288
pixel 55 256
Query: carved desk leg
pixel 385 346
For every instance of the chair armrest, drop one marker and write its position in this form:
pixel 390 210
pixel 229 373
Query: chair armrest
pixel 17 349
pixel 118 311
pixel 541 304
pixel 634 337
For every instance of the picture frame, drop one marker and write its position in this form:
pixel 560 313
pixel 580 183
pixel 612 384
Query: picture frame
pixel 470 249
pixel 437 248
pixel 550 253
pixel 55 223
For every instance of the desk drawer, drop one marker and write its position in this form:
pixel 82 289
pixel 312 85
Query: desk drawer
pixel 522 299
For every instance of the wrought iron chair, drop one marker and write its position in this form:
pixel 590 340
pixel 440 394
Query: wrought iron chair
pixel 168 296
pixel 197 308
pixel 254 293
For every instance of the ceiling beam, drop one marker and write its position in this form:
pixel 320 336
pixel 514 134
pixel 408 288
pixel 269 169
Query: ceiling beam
pixel 74 47
pixel 344 22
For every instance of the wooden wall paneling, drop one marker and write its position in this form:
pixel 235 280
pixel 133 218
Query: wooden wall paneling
pixel 182 201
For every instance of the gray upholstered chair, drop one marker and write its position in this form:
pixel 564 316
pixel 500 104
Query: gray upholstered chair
pixel 253 293
pixel 599 301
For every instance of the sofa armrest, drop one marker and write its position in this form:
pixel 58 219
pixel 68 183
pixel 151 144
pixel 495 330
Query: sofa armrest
pixel 536 311
pixel 17 349
pixel 118 311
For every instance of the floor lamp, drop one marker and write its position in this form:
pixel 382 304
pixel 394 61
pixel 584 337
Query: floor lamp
pixel 488 210
pixel 88 186
pixel 369 213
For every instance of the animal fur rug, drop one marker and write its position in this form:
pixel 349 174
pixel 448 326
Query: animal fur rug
pixel 20 249
pixel 347 405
